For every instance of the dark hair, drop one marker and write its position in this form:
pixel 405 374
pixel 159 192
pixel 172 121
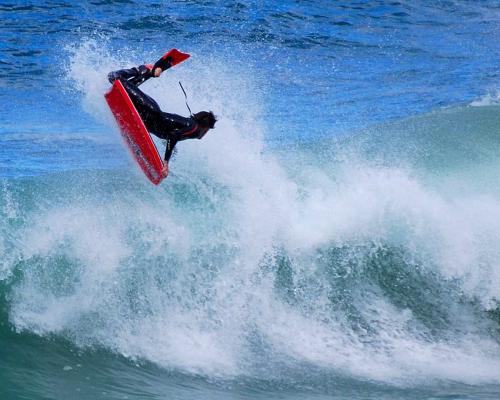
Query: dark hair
pixel 206 119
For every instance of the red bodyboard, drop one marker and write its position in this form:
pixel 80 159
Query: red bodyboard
pixel 135 134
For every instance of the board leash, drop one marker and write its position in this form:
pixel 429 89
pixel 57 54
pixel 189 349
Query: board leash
pixel 186 99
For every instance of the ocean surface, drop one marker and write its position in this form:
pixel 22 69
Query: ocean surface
pixel 335 237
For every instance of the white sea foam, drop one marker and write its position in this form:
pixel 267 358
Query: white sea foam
pixel 178 275
pixel 489 99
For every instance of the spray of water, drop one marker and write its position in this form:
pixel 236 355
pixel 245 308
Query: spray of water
pixel 238 267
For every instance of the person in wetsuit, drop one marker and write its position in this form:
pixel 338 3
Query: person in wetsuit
pixel 170 127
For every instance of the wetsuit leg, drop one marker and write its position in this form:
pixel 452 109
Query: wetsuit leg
pixel 141 100
pixel 149 111
pixel 160 124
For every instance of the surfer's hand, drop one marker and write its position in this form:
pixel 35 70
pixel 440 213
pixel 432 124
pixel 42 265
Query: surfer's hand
pixel 164 170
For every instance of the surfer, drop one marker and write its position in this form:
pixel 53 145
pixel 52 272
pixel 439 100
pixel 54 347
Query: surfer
pixel 170 127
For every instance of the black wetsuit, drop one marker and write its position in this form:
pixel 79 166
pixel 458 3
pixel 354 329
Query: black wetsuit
pixel 171 127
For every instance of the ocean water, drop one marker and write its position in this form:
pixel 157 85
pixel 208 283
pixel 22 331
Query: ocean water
pixel 335 237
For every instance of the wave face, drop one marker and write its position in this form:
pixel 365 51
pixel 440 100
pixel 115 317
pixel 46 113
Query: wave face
pixel 373 263
pixel 335 237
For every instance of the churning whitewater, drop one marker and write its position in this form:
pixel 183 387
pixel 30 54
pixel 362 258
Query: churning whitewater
pixel 351 266
pixel 355 259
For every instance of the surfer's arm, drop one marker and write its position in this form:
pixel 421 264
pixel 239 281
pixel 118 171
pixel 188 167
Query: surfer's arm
pixel 135 76
pixel 169 149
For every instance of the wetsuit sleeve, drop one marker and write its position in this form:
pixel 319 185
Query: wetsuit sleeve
pixel 135 76
pixel 169 149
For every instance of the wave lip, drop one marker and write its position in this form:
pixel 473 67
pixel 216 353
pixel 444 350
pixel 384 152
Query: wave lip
pixel 489 99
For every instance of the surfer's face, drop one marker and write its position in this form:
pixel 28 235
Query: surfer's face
pixel 202 131
pixel 157 72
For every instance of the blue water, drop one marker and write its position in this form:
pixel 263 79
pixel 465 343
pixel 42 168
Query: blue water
pixel 335 237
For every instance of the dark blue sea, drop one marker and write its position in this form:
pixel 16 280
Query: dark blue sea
pixel 335 237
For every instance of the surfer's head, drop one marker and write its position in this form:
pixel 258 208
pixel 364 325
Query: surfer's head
pixel 206 120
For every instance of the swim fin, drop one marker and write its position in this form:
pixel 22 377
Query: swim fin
pixel 171 58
